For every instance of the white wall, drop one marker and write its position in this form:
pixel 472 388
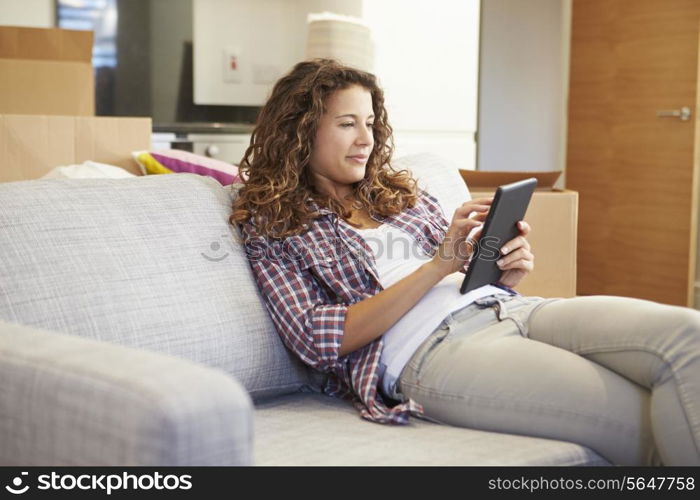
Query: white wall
pixel 426 58
pixel 523 84
pixel 270 36
pixel 35 13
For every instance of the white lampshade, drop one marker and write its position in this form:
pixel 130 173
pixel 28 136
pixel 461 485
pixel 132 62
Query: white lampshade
pixel 343 38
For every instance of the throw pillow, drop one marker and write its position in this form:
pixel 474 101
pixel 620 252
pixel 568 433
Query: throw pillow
pixel 172 161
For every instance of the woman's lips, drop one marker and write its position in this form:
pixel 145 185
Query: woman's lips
pixel 358 158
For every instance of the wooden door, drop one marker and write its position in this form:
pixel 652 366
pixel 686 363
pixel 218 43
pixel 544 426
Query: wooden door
pixel 636 173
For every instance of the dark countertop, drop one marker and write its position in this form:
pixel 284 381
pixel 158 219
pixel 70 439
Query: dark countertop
pixel 204 128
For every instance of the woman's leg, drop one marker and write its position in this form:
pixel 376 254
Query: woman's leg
pixel 655 345
pixel 480 372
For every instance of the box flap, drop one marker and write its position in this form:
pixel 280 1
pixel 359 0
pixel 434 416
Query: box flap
pixel 482 179
pixel 49 44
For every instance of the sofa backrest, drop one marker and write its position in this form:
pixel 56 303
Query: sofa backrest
pixel 151 262
pixel 439 177
pixel 146 262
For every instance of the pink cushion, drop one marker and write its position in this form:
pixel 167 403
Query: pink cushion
pixel 169 161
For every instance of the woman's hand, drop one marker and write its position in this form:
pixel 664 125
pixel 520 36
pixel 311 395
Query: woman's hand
pixel 455 250
pixel 516 258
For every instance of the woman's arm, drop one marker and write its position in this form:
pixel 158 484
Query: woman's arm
pixel 370 318
pixel 308 323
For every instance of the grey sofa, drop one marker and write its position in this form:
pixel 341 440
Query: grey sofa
pixel 132 333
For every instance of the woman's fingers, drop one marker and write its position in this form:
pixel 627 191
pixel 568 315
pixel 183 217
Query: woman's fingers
pixel 518 241
pixel 476 205
pixel 479 201
pixel 464 226
pixel 525 266
pixel 514 244
pixel 471 211
pixel 524 227
pixel 476 234
pixel 518 259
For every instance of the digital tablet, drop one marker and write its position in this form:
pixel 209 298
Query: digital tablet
pixel 508 207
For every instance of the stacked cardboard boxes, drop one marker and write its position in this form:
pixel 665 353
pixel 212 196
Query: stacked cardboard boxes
pixel 47 106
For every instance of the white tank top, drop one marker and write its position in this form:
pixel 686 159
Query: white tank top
pixel 397 255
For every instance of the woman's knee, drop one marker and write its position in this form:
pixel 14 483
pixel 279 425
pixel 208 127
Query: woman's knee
pixel 684 324
pixel 691 317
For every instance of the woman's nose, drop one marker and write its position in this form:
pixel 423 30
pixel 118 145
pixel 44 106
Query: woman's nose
pixel 365 136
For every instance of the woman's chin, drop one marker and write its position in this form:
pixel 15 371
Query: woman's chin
pixel 358 177
pixel 357 173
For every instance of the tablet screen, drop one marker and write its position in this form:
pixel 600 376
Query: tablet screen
pixel 508 207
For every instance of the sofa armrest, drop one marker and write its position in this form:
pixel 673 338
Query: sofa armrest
pixel 68 400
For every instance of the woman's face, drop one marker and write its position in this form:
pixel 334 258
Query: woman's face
pixel 343 141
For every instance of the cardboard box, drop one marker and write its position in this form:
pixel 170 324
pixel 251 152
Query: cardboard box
pixel 31 145
pixel 553 217
pixel 46 71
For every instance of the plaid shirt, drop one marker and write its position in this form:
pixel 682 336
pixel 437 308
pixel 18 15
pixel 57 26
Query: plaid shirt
pixel 308 282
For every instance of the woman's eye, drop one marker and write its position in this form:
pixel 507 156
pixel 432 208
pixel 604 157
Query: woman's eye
pixel 345 125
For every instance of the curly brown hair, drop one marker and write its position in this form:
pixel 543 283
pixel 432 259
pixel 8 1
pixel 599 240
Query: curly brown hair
pixel 278 184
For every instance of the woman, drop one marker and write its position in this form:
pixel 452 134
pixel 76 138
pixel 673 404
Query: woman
pixel 392 332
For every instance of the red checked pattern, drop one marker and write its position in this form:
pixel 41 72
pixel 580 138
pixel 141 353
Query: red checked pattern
pixel 309 281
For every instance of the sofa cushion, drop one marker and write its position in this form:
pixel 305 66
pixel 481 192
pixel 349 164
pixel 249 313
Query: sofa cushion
pixel 314 429
pixel 148 262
